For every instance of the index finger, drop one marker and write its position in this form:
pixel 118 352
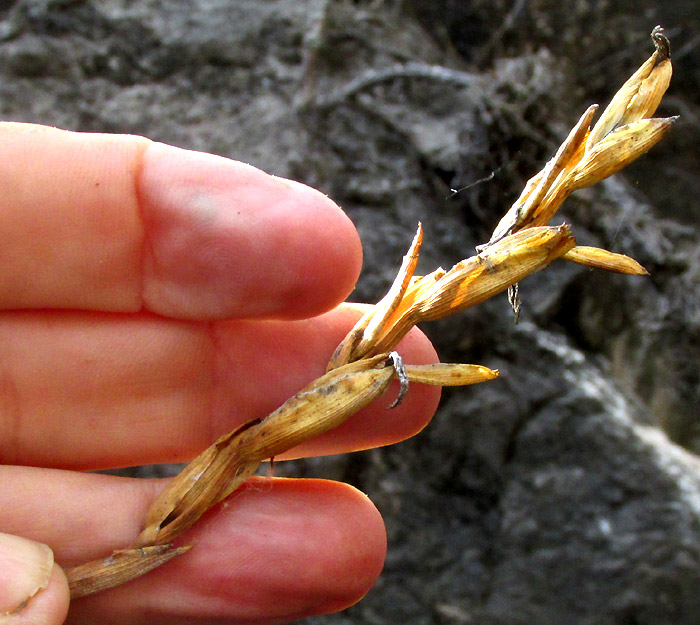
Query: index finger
pixel 119 223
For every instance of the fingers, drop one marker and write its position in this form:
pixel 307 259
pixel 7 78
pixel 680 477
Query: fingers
pixel 277 550
pixel 117 223
pixel 87 390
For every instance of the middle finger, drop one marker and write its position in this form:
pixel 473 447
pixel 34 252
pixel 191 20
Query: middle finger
pixel 91 390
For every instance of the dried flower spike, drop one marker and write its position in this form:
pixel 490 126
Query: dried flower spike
pixel 232 459
pixel 362 367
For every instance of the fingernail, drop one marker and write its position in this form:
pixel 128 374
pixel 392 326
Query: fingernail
pixel 25 569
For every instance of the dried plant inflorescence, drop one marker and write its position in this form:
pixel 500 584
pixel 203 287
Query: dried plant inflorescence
pixel 364 364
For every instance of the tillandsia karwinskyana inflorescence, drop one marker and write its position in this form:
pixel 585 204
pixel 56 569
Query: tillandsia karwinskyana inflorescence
pixel 363 365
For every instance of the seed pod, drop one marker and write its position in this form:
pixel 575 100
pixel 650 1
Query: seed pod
pixel 521 245
pixel 648 97
pixel 205 481
pixel 480 277
pixel 358 343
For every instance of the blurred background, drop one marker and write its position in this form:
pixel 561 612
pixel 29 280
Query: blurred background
pixel 568 491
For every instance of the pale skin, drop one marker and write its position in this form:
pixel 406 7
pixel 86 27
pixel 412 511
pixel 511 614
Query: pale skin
pixel 152 299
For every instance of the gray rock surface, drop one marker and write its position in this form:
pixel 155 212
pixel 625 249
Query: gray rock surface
pixel 569 490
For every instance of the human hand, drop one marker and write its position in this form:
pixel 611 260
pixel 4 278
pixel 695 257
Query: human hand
pixel 152 299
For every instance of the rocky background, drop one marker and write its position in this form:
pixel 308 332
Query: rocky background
pixel 568 491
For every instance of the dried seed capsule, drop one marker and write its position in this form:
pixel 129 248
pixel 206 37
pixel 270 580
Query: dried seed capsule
pixel 480 277
pixel 391 301
pixel 622 134
pixel 477 278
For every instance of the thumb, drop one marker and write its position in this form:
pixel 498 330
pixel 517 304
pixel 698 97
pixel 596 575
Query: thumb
pixel 33 589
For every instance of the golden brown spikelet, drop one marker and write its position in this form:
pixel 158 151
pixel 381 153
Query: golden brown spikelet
pixel 618 149
pixel 602 259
